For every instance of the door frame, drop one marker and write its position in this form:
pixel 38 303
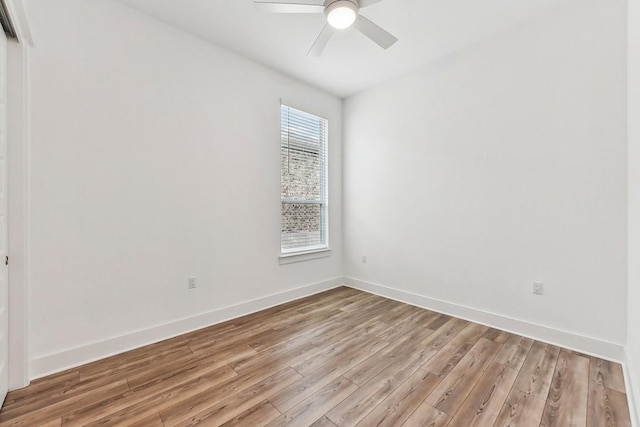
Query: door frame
pixel 19 149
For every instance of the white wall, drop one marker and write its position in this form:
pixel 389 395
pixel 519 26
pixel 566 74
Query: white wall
pixel 155 156
pixel 501 165
pixel 633 340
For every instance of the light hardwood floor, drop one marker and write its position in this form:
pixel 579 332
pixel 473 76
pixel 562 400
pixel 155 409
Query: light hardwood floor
pixel 340 358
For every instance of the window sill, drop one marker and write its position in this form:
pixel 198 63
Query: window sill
pixel 304 256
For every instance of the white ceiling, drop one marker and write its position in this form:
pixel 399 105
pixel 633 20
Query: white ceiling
pixel 426 29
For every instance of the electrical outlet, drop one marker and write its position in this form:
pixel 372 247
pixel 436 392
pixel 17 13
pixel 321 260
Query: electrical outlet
pixel 537 288
pixel 364 259
pixel 191 284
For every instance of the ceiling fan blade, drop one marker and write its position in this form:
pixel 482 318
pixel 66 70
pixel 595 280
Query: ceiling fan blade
pixel 376 33
pixel 321 41
pixel 367 3
pixel 289 6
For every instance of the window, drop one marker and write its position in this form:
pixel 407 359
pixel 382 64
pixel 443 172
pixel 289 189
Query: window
pixel 303 184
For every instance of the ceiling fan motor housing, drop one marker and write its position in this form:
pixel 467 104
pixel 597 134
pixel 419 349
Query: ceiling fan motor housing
pixel 341 13
pixel 328 3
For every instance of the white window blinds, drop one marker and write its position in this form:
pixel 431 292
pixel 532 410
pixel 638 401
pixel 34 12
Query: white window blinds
pixel 303 185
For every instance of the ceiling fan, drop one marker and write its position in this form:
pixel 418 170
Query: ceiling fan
pixel 340 14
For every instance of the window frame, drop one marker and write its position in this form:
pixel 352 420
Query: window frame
pixel 303 253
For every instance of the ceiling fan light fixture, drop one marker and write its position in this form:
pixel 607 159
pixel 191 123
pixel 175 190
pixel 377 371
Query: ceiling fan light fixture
pixel 342 14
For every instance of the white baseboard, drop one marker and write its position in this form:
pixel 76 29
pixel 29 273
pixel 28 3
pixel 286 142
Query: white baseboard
pixel 632 385
pixel 586 345
pixel 66 359
pixel 60 361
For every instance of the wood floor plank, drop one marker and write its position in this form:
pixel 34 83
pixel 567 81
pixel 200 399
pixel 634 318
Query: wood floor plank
pixel 398 407
pixel 537 371
pixel 483 405
pixel 373 365
pixel 136 360
pixel 400 312
pixel 375 306
pixel 54 423
pixel 60 395
pixel 52 411
pixel 497 335
pixel 176 411
pixel 364 301
pixel 290 396
pixel 226 341
pixel 296 321
pixel 446 359
pixel 367 339
pixel 202 362
pixel 281 360
pixel 347 328
pixel 606 407
pixel 227 408
pixel 607 374
pixel 354 408
pixel 323 422
pixel 514 352
pixel 419 320
pixel 445 333
pixel 209 332
pixel 335 367
pixel 322 305
pixel 520 409
pixel 338 358
pixel 438 322
pixel 314 407
pixel 153 420
pixel 137 405
pixel 457 385
pixel 41 387
pixel 427 415
pixel 258 415
pixel 567 401
pixel 307 328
